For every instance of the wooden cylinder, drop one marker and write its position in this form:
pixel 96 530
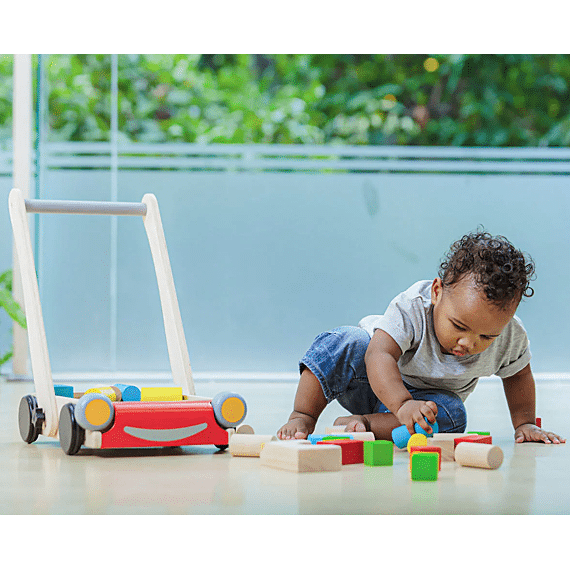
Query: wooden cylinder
pixel 478 455
pixel 248 445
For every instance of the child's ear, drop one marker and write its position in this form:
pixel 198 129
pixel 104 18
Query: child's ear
pixel 436 290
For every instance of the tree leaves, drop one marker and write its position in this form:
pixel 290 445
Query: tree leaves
pixel 413 99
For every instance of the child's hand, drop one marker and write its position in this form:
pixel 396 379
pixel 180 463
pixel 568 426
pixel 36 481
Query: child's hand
pixel 530 432
pixel 417 411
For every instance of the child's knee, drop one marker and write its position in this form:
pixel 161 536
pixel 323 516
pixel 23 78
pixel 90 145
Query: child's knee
pixel 451 413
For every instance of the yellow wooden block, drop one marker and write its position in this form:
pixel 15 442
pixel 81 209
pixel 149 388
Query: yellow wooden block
pixel 161 394
pixel 417 439
pixel 114 394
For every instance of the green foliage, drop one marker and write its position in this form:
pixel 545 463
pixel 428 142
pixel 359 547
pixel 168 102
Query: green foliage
pixel 413 99
pixel 11 307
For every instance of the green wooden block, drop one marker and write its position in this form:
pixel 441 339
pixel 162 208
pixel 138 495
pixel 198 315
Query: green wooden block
pixel 425 466
pixel 479 432
pixel 378 452
pixel 326 437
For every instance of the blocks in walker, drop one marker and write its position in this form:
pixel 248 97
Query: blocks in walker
pixel 161 394
pixel 129 393
pixel 301 457
pixel 424 466
pixel 352 449
pixel 63 390
pixel 379 452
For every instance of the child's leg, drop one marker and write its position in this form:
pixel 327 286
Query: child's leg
pixel 337 357
pixel 451 415
pixel 309 402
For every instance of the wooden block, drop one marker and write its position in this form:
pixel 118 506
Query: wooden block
pixel 538 422
pixel 337 437
pixel 471 454
pixel 334 429
pixel 300 458
pixel 248 445
pixel 416 439
pixel 161 394
pixel 424 466
pixel 378 452
pixel 359 435
pixel 129 393
pixel 426 449
pixel 474 438
pixel 244 428
pixel 362 435
pixel 352 449
pixel 478 433
pixel 113 393
pixel 63 390
pixel 446 442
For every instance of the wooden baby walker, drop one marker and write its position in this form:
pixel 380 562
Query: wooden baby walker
pixel 94 419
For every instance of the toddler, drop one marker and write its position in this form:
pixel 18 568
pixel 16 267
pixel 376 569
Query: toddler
pixel 425 354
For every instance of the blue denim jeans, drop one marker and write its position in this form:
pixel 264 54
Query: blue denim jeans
pixel 336 358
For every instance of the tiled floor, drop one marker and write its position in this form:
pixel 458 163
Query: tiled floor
pixel 41 479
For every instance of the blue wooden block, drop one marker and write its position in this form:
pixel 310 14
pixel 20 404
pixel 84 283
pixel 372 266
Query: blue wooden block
pixel 129 393
pixel 63 390
pixel 401 435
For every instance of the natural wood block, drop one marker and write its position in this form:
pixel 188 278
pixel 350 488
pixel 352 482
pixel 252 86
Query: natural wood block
pixel 483 455
pixel 248 445
pixel 301 458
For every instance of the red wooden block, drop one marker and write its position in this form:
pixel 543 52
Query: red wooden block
pixel 424 448
pixel 538 422
pixel 352 449
pixel 474 438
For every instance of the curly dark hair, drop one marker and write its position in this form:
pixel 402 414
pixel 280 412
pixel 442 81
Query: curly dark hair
pixel 502 271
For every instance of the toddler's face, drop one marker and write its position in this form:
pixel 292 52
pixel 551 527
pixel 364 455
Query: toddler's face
pixel 465 322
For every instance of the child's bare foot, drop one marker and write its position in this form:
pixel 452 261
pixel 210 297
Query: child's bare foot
pixel 299 426
pixel 353 423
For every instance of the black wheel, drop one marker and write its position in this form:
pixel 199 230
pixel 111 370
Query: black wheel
pixel 222 447
pixel 30 419
pixel 71 435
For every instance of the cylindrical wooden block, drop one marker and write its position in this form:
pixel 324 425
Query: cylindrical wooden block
pixel 248 445
pixel 478 455
pixel 114 394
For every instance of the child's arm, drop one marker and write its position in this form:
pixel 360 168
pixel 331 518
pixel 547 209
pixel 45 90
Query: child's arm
pixel 520 394
pixel 385 380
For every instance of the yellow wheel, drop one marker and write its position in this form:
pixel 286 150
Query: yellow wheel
pixel 94 412
pixel 230 409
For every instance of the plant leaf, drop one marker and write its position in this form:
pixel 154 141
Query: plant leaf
pixel 12 307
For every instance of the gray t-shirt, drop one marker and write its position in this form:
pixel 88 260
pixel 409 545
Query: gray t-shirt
pixel 409 321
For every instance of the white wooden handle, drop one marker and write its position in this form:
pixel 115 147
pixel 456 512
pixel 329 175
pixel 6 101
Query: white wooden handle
pixel 39 355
